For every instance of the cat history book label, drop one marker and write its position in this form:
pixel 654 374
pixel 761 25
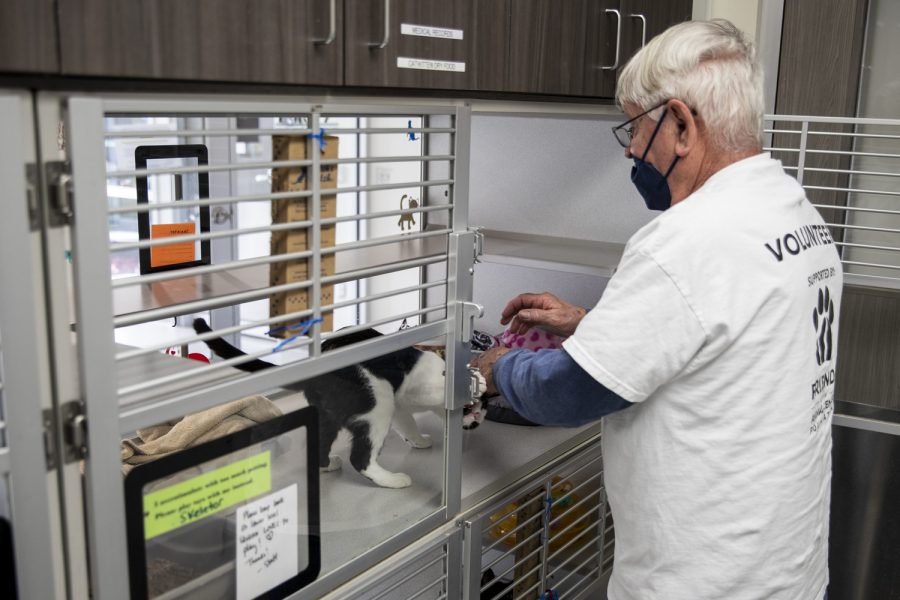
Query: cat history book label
pixel 172 254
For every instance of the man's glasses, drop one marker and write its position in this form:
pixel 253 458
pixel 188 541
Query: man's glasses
pixel 625 132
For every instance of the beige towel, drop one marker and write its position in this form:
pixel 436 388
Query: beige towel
pixel 160 440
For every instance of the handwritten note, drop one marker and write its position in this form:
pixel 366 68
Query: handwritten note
pixel 267 548
pixel 198 497
pixel 172 254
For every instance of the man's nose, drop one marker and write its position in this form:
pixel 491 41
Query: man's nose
pixel 628 152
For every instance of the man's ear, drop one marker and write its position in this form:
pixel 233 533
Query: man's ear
pixel 687 127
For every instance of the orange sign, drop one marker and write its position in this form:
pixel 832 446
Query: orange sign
pixel 172 254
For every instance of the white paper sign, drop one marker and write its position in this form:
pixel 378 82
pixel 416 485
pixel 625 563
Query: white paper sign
pixel 429 31
pixel 430 65
pixel 267 548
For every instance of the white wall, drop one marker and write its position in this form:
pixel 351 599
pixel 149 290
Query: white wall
pixel 555 175
pixel 743 13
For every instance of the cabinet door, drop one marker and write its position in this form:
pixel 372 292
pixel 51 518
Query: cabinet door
pixel 620 30
pixel 642 20
pixel 459 45
pixel 547 46
pixel 604 50
pixel 28 36
pixel 279 41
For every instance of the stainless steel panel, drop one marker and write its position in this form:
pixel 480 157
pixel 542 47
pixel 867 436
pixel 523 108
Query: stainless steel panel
pixel 865 521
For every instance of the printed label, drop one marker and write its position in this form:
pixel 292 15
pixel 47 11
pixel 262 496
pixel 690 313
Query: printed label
pixel 430 65
pixel 429 31
pixel 207 494
pixel 802 238
pixel 172 254
pixel 267 549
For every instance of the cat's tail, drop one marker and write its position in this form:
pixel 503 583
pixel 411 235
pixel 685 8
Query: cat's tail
pixel 226 350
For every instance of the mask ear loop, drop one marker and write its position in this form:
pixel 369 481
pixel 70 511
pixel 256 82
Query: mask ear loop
pixel 653 137
pixel 672 166
pixel 655 131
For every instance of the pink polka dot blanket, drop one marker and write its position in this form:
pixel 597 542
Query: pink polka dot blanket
pixel 533 339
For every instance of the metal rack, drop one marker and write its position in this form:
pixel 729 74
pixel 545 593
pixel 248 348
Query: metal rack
pixel 95 346
pixel 127 387
pixel 553 533
pixel 66 319
pixel 428 570
pixel 29 444
pixel 850 169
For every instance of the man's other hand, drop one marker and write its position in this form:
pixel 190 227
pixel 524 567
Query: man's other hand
pixel 541 310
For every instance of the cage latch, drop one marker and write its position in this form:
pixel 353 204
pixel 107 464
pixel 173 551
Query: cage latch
pixel 74 431
pixel 59 191
pixel 479 243
pixel 468 312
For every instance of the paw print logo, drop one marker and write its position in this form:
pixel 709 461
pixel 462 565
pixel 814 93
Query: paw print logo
pixel 823 317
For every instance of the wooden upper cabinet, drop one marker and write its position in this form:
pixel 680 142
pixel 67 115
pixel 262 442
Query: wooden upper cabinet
pixel 637 22
pixel 429 44
pixel 555 47
pixel 578 47
pixel 28 36
pixel 279 41
pixel 642 20
pixel 603 49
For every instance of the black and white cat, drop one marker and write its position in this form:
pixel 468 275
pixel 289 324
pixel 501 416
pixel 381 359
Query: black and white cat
pixel 366 398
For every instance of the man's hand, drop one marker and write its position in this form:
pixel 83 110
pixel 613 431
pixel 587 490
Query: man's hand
pixel 484 362
pixel 541 310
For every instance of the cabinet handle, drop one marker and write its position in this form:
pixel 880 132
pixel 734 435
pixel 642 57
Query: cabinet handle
pixel 643 28
pixel 387 28
pixel 332 24
pixel 615 65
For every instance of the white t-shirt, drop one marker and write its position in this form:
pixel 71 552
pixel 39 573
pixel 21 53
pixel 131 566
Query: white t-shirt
pixel 717 326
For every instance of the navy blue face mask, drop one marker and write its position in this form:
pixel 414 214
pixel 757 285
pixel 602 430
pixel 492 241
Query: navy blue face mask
pixel 650 183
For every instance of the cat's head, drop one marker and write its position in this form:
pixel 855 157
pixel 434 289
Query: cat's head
pixel 473 415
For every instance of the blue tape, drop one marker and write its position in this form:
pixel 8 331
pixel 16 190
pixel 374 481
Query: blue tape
pixel 549 595
pixel 321 137
pixel 306 325
pixel 412 135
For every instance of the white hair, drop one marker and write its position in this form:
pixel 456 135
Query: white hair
pixel 709 65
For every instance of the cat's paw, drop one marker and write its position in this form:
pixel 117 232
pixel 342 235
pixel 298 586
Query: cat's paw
pixel 334 463
pixel 422 441
pixel 389 480
pixel 395 480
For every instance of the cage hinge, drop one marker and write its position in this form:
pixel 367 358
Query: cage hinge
pixel 74 431
pixel 468 312
pixel 59 192
pixel 48 417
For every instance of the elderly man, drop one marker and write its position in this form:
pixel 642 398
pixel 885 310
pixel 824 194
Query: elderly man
pixel 712 351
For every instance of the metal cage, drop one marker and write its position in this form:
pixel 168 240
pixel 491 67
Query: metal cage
pixel 407 282
pixel 850 169
pixel 554 533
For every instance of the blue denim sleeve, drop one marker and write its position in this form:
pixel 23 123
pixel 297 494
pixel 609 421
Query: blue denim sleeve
pixel 550 388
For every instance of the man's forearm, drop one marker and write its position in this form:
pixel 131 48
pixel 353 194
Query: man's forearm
pixel 550 388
